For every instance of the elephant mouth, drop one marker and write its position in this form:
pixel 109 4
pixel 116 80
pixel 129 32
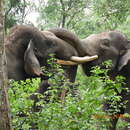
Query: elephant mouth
pixel 75 60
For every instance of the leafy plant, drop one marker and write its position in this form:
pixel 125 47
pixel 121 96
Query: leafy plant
pixel 81 109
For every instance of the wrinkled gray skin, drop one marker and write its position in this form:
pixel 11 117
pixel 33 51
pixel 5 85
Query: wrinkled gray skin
pixel 27 50
pixel 114 46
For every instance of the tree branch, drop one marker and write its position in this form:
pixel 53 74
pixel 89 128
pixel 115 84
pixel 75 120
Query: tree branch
pixel 63 14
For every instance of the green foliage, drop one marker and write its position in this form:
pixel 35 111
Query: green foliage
pixel 84 17
pixel 125 27
pixel 81 109
pixel 20 103
pixel 15 12
pixel 111 12
pixel 61 13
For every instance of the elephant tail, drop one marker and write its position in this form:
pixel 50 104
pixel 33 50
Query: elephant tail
pixel 70 38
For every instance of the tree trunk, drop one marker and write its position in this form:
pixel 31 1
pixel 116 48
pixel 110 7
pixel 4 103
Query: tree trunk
pixel 63 21
pixel 4 105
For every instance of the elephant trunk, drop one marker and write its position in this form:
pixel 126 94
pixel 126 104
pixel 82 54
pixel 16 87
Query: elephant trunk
pixel 70 38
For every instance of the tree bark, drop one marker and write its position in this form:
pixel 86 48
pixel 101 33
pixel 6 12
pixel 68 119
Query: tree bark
pixel 4 105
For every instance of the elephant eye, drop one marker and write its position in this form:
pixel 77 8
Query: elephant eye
pixel 122 52
pixel 36 50
pixel 105 43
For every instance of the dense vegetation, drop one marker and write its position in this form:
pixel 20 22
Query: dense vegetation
pixel 80 110
pixel 82 107
pixel 81 16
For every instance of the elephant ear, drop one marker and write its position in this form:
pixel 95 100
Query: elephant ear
pixel 31 63
pixel 124 60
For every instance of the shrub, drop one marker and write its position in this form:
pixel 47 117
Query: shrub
pixel 79 111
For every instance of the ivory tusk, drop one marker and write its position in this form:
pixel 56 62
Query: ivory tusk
pixel 63 62
pixel 77 60
pixel 84 59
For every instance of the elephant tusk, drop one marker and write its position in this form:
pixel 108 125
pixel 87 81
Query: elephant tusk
pixel 77 60
pixel 63 62
pixel 84 59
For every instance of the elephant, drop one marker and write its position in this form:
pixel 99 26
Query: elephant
pixel 110 45
pixel 114 46
pixel 28 43
pixel 27 50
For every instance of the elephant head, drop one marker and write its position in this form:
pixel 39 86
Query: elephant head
pixel 112 45
pixel 28 48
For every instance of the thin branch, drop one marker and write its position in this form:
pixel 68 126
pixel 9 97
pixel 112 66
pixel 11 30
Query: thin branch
pixel 73 16
pixel 63 14
pixel 23 13
pixel 69 5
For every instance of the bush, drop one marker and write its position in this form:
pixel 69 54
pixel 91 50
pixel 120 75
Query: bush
pixel 79 111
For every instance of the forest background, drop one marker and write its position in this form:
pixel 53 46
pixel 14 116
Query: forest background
pixel 83 17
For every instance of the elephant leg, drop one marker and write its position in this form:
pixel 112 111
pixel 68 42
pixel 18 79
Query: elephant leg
pixel 70 73
pixel 113 123
pixel 36 108
pixel 127 111
pixel 42 88
pixel 112 114
pixel 123 110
